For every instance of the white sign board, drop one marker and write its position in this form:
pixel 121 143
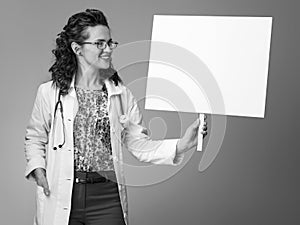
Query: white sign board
pixel 209 64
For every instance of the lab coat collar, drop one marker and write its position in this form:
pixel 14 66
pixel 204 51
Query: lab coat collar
pixel 112 89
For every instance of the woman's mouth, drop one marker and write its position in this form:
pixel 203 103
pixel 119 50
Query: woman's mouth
pixel 105 57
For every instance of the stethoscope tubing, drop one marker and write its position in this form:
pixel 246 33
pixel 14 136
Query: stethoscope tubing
pixel 59 103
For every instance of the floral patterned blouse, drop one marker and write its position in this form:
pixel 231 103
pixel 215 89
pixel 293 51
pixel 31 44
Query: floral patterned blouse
pixel 92 147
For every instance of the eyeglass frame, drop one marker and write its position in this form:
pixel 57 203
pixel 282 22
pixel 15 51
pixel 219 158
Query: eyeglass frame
pixel 106 43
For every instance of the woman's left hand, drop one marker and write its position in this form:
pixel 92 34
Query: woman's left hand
pixel 190 139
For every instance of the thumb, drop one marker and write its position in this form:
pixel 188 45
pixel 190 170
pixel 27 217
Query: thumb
pixel 196 124
pixel 193 129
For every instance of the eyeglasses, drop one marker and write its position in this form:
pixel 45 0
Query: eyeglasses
pixel 103 44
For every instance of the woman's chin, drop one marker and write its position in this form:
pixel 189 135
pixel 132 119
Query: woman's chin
pixel 104 63
pixel 104 66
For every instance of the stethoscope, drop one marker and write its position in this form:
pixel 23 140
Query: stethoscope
pixel 59 104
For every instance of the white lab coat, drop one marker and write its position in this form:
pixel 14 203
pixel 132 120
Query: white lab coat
pixel 45 131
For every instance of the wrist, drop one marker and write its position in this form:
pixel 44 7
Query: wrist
pixel 39 171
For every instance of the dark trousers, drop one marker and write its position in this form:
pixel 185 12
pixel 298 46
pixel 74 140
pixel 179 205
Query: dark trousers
pixel 95 203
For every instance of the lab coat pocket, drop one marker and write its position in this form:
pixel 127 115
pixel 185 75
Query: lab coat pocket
pixel 40 201
pixel 40 193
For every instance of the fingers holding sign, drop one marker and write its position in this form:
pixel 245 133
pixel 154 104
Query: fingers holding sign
pixel 190 139
pixel 204 127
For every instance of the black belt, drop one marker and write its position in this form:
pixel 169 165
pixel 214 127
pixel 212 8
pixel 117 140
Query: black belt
pixel 89 178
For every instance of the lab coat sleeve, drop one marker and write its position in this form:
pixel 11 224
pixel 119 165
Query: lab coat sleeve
pixel 138 142
pixel 36 137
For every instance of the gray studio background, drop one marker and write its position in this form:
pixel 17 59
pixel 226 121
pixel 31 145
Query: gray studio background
pixel 255 177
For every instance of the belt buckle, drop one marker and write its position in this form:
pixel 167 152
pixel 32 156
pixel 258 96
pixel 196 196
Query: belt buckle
pixel 77 180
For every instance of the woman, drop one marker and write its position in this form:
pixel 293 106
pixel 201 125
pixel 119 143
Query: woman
pixel 74 133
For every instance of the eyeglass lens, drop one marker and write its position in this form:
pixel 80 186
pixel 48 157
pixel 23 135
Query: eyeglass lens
pixel 111 44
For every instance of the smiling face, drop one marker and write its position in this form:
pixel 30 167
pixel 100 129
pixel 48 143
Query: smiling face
pixel 91 56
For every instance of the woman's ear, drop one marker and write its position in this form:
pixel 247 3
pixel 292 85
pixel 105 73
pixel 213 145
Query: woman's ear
pixel 76 48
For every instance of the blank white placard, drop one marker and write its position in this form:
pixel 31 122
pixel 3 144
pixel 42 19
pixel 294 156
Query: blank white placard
pixel 232 50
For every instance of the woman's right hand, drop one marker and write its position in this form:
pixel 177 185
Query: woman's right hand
pixel 41 180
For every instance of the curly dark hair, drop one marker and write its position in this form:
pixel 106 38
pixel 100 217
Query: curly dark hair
pixel 65 65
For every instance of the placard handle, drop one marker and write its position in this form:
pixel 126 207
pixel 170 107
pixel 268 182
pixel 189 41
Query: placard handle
pixel 200 136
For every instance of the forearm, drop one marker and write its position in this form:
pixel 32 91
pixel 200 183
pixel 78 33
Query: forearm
pixel 154 151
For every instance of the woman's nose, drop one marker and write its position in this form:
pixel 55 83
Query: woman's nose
pixel 107 48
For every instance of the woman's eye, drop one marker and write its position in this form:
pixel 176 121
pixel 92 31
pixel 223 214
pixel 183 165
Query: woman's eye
pixel 101 44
